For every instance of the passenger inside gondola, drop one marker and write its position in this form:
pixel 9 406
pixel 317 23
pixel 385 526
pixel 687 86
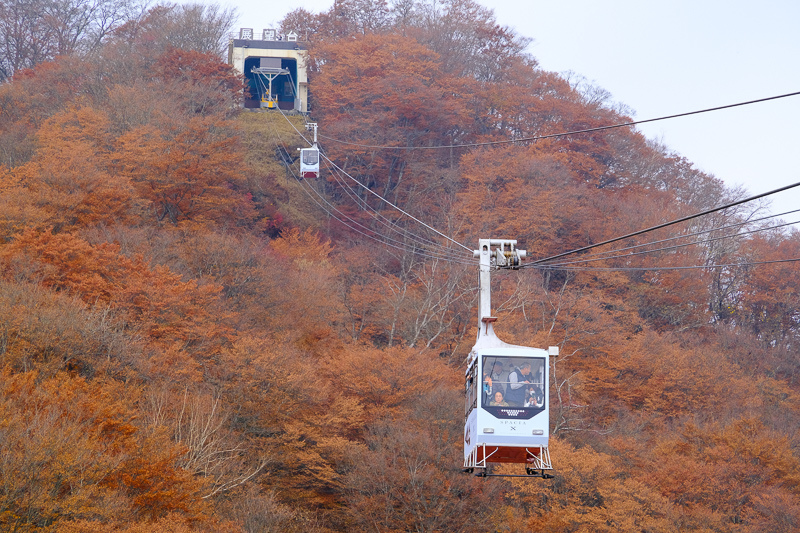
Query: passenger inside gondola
pixel 498 400
pixel 534 397
pixel 518 379
pixel 498 377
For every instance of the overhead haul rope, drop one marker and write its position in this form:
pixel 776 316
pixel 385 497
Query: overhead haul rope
pixel 379 217
pixel 409 215
pixel 670 248
pixel 381 198
pixel 664 225
pixel 346 220
pixel 565 266
pixel 720 228
pixel 446 254
pixel 349 222
pixel 642 269
pixel 563 134
pixel 677 246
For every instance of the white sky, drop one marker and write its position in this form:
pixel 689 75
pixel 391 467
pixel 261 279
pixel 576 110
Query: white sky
pixel 662 57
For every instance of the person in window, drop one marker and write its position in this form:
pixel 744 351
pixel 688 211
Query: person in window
pixel 497 377
pixel 498 400
pixel 518 379
pixel 534 397
pixel 488 388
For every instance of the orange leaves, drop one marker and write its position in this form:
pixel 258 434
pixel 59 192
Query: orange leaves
pixel 132 255
pixel 171 312
pixel 277 378
pixel 659 376
pixel 396 95
pixel 303 422
pixel 591 492
pixel 404 477
pixel 51 332
pixel 69 263
pixel 199 81
pixel 387 380
pixel 730 474
pixel 188 172
pixel 68 183
pixel 382 58
pixel 69 445
pixel 54 460
pixel 16 211
pixel 176 311
pixel 154 482
pixel 306 248
pixel 768 300
pixel 308 312
pixel 179 159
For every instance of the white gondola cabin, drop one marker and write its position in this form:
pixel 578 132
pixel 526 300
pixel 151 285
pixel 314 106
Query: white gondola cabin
pixel 507 412
pixel 507 417
pixel 309 157
pixel 309 162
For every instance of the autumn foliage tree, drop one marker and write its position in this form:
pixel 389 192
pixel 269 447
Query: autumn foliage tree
pixel 187 172
pixel 398 97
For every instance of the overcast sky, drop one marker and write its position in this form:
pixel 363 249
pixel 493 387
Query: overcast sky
pixel 662 57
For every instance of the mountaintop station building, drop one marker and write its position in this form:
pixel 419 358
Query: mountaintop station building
pixel 274 60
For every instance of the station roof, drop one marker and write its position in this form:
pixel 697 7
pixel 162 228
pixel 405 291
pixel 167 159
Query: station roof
pixel 274 45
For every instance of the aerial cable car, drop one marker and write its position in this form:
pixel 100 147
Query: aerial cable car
pixel 507 412
pixel 309 157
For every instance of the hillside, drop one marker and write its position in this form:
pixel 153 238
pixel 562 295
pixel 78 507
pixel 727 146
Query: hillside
pixel 192 339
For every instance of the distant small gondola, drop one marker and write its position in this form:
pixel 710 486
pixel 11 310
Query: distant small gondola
pixel 309 162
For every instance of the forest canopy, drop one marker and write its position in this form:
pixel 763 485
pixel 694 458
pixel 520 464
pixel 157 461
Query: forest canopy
pixel 192 339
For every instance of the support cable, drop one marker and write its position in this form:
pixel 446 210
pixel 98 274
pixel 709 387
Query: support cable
pixel 643 269
pixel 443 251
pixel 563 134
pixel 382 219
pixel 664 225
pixel 539 263
pixel 354 225
pixel 675 247
pixel 409 215
pixel 381 198
pixel 720 228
